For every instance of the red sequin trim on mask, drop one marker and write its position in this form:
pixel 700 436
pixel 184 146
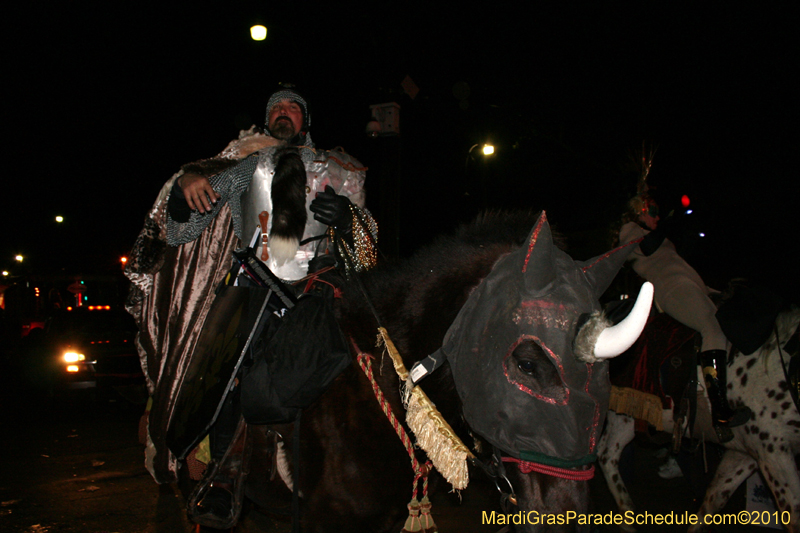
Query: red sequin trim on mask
pixel 542 220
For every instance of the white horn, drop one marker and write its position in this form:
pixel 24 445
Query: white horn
pixel 614 340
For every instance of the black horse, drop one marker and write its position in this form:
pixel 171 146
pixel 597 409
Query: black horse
pixel 519 322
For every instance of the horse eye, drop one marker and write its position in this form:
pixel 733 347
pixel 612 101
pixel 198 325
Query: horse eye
pixel 537 373
pixel 526 366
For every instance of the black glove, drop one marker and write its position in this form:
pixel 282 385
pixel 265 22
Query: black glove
pixel 332 209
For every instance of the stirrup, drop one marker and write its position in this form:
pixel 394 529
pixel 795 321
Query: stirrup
pixel 233 467
pixel 215 508
pixel 737 417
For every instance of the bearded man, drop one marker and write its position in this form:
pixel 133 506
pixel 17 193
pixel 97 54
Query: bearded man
pixel 272 191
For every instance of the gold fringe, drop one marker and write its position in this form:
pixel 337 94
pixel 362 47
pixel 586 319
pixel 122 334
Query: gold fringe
pixel 434 435
pixel 638 404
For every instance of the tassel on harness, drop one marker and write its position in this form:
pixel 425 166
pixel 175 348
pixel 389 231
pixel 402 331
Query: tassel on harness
pixel 419 517
pixel 425 517
pixel 413 522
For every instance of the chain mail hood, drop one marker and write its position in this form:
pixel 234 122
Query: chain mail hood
pixel 522 386
pixel 304 137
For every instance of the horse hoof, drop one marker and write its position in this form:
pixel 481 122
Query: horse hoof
pixel 670 469
pixel 724 434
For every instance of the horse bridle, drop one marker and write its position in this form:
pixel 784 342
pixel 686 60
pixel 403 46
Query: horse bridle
pixel 496 470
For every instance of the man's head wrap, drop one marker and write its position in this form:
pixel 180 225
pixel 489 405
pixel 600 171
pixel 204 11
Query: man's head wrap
pixel 288 94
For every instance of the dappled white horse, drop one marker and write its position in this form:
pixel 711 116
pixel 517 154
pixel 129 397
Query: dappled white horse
pixel 768 442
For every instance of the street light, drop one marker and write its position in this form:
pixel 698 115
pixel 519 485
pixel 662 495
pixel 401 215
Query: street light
pixel 258 32
pixel 487 150
pixel 19 258
pixel 59 218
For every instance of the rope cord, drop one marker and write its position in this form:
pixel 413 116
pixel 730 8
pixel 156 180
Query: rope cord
pixel 526 467
pixel 420 471
pixel 311 279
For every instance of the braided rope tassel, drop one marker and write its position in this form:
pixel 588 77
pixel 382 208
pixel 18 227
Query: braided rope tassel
pixel 419 510
pixel 365 362
pixel 425 518
pixel 414 523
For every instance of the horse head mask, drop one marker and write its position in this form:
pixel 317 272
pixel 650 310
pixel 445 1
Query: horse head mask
pixel 527 351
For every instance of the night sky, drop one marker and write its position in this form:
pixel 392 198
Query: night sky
pixel 107 100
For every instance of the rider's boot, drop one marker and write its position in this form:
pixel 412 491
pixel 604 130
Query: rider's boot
pixel 714 372
pixel 215 509
pixel 217 499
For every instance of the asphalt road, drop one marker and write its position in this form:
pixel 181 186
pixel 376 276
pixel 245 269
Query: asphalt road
pixel 74 465
pixel 71 464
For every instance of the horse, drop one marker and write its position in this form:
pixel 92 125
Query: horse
pixel 767 443
pixel 521 326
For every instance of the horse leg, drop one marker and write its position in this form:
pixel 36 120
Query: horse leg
pixel 780 474
pixel 618 433
pixel 734 468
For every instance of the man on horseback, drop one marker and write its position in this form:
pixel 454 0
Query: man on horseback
pixel 682 294
pixel 274 192
pixel 278 182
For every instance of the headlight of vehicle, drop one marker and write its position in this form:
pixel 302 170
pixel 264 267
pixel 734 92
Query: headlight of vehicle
pixel 73 357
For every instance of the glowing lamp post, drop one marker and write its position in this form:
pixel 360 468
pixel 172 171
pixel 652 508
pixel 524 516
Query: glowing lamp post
pixel 258 32
pixel 486 150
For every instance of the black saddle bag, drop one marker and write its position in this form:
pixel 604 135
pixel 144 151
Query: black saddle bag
pixel 294 360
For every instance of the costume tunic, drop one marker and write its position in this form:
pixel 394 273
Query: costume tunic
pixel 247 188
pixel 173 285
pixel 679 290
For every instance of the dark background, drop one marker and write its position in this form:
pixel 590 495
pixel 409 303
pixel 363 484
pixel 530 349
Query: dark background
pixel 105 101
